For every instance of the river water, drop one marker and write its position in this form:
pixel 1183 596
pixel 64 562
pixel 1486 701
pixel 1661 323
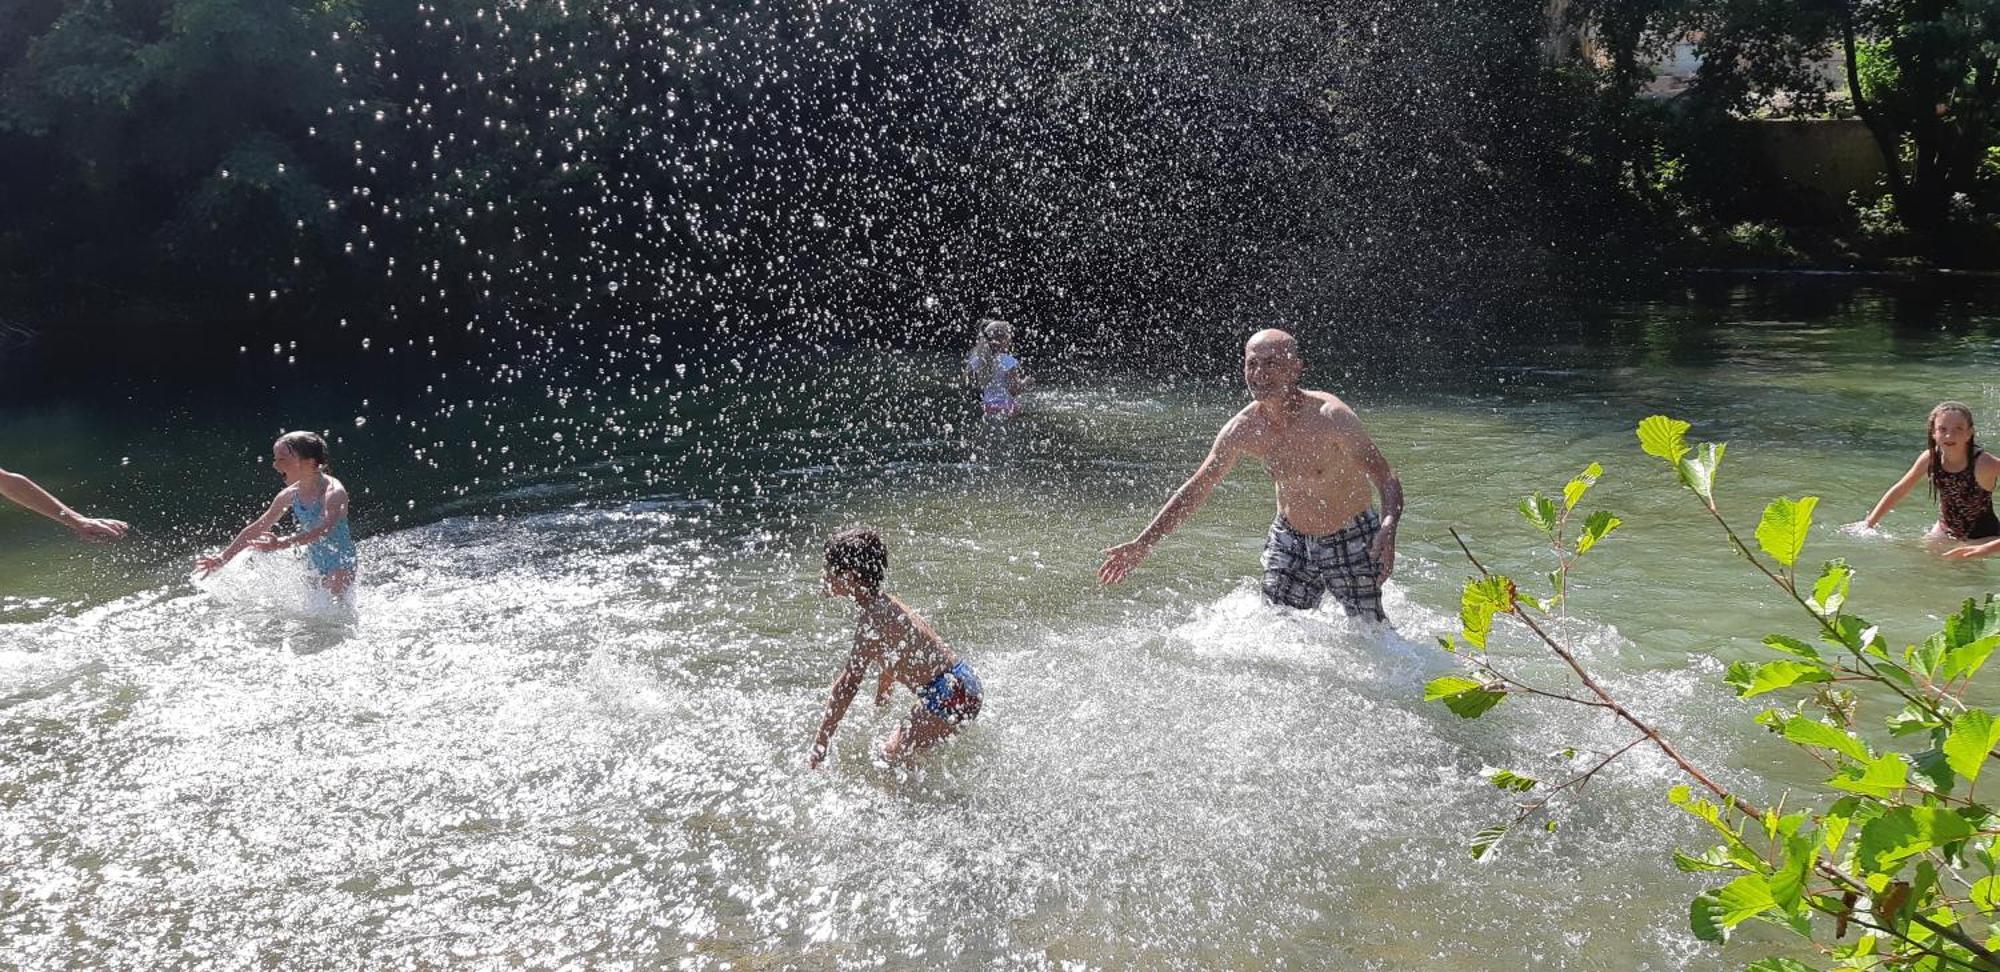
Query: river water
pixel 565 724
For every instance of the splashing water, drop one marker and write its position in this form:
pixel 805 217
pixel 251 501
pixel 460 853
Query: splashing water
pixel 576 735
pixel 597 756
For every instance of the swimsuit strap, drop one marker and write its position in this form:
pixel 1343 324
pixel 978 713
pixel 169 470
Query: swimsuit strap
pixel 302 501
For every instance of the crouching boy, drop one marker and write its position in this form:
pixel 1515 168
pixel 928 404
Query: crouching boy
pixel 892 638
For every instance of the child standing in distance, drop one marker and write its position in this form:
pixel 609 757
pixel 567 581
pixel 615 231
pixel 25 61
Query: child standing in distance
pixel 317 501
pixel 993 369
pixel 1962 477
pixel 891 637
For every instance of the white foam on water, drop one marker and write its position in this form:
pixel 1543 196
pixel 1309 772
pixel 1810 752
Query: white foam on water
pixel 580 738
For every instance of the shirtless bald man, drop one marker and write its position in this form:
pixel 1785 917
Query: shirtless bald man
pixel 1326 537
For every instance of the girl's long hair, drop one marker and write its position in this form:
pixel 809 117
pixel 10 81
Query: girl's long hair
pixel 1930 435
pixel 984 361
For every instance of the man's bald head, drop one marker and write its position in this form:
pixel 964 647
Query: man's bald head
pixel 1271 364
pixel 1271 339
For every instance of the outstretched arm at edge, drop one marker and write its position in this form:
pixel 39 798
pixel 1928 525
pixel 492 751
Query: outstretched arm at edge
pixel 24 492
pixel 1901 489
pixel 1121 560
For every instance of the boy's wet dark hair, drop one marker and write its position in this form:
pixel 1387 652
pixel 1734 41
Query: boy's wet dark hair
pixel 305 445
pixel 858 550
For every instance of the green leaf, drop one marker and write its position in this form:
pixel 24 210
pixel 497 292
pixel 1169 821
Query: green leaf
pixel 1857 635
pixel 1966 659
pixel 1540 511
pixel 1466 698
pixel 1932 765
pixel 1925 657
pixel 1783 530
pixel 1595 529
pixel 1912 720
pixel 1791 646
pixel 1973 735
pixel 1698 473
pixel 1446 685
pixel 1573 492
pixel 1830 591
pixel 1483 841
pixel 1835 821
pixel 1883 776
pixel 1509 780
pixel 1812 732
pixel 1970 636
pixel 1986 893
pixel 1743 899
pixel 1483 599
pixel 1788 882
pixel 1715 859
pixel 1752 679
pixel 1972 622
pixel 1705 918
pixel 1905 832
pixel 1664 437
pixel 1701 809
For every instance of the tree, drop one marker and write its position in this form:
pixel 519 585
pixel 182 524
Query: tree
pixel 169 127
pixel 1925 77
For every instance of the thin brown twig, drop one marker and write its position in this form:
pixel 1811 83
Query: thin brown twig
pixel 1583 675
pixel 1487 667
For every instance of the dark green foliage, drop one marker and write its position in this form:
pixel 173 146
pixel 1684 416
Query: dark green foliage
pixel 1928 89
pixel 154 132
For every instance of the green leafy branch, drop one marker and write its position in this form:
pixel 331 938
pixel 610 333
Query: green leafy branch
pixel 1903 852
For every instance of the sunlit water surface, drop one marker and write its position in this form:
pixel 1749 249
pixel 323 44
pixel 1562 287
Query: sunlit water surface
pixel 572 734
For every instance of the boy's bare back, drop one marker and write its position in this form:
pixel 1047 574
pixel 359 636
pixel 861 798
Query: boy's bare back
pixel 906 647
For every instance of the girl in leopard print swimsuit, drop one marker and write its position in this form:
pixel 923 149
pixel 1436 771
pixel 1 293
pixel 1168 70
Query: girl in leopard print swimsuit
pixel 1962 478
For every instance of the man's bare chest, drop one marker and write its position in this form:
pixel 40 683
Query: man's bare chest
pixel 1299 454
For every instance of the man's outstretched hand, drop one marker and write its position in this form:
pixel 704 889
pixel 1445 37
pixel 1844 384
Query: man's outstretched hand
pixel 96 528
pixel 1121 560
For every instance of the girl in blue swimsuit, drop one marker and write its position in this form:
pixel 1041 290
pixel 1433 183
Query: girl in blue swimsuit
pixel 317 501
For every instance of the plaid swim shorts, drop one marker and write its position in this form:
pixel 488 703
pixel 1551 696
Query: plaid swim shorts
pixel 1300 569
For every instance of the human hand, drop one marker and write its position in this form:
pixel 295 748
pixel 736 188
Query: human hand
pixel 204 566
pixel 95 529
pixel 267 542
pixel 1384 552
pixel 1121 560
pixel 818 753
pixel 1970 550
